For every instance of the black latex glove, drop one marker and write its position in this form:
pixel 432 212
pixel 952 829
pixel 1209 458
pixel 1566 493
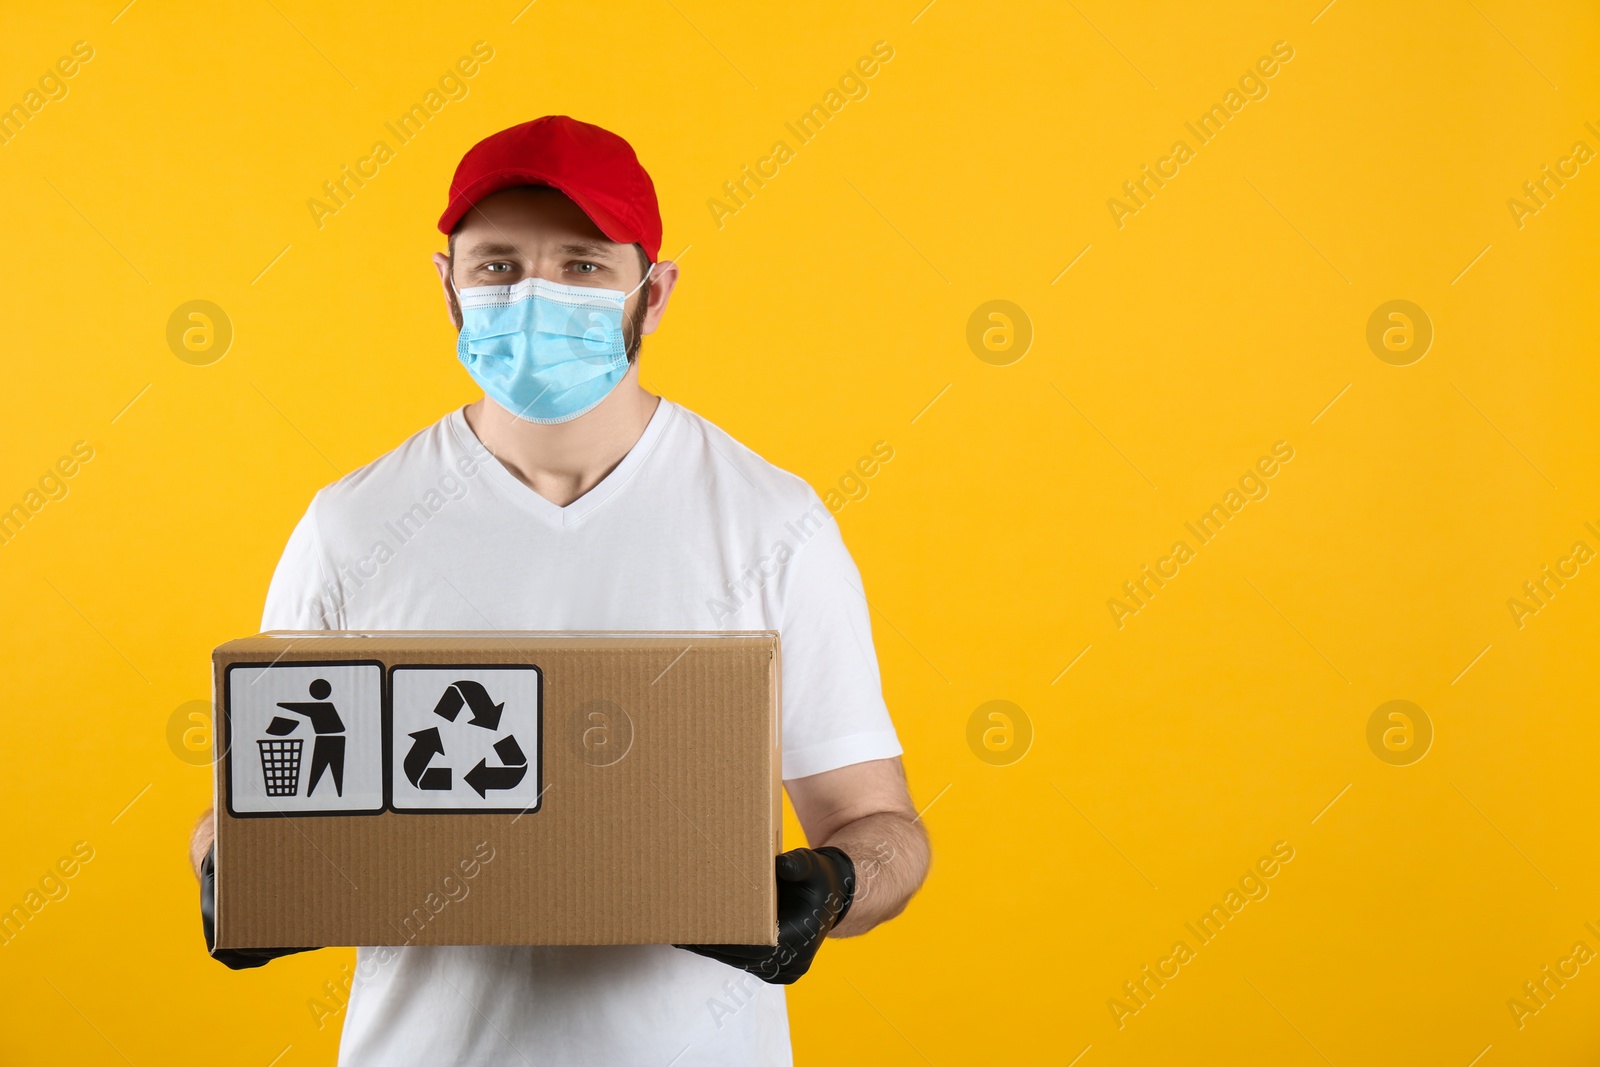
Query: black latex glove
pixel 237 958
pixel 815 887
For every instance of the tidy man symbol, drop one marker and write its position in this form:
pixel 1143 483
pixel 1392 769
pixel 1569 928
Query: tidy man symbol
pixel 328 752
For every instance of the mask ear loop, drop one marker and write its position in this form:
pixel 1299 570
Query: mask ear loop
pixel 642 282
pixel 630 292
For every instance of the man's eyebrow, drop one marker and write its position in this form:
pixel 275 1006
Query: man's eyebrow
pixel 594 251
pixel 493 248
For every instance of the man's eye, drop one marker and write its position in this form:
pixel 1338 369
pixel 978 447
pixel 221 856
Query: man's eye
pixel 585 268
pixel 497 268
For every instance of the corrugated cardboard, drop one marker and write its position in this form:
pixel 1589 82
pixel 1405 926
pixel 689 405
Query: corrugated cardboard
pixel 648 810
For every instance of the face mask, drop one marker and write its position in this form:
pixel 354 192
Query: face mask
pixel 545 352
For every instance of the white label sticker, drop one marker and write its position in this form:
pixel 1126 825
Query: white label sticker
pixel 465 738
pixel 305 739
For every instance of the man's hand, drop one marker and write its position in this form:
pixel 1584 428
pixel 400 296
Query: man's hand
pixel 815 887
pixel 237 958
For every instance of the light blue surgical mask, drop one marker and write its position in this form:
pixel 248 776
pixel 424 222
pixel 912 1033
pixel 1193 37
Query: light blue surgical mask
pixel 544 351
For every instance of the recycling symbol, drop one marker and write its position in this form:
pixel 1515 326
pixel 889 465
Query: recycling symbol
pixel 464 738
pixel 485 713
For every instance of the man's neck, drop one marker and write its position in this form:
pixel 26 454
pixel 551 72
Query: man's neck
pixel 562 461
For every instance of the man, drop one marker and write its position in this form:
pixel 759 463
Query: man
pixel 570 498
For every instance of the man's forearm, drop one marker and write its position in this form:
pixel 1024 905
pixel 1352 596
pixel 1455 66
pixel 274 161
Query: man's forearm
pixel 891 856
pixel 205 831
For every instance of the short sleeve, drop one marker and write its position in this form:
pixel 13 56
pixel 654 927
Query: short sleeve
pixel 833 708
pixel 303 594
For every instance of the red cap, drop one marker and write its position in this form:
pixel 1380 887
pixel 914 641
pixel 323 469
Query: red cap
pixel 595 168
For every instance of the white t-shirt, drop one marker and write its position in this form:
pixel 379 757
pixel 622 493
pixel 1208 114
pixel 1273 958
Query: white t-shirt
pixel 692 530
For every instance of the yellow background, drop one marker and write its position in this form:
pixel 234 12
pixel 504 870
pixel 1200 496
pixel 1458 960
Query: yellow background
pixel 823 317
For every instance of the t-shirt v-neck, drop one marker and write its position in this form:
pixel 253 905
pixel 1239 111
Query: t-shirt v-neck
pixel 546 509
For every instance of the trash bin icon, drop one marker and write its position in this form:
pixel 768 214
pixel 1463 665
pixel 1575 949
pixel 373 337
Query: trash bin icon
pixel 280 765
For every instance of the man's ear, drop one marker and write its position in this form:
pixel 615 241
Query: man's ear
pixel 662 280
pixel 441 262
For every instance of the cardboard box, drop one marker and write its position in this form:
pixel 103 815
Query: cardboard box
pixel 485 788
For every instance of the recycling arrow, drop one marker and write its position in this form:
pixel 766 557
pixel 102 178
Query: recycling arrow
pixel 424 746
pixel 483 777
pixel 470 694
